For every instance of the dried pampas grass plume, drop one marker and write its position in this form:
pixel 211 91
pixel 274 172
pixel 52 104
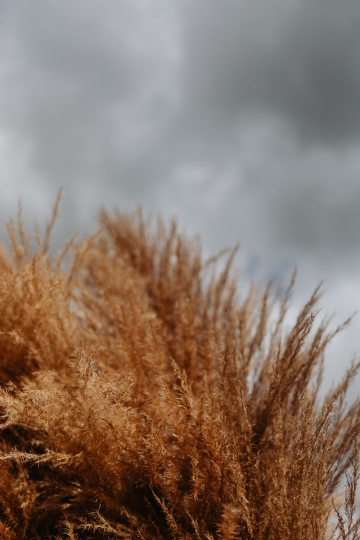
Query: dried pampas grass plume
pixel 142 396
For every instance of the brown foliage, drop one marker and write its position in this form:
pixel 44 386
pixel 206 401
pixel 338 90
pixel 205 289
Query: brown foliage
pixel 141 397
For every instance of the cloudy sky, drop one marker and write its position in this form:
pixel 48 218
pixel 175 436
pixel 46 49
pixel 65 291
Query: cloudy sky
pixel 241 118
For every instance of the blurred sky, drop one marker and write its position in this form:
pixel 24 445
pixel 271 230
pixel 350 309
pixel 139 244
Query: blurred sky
pixel 242 118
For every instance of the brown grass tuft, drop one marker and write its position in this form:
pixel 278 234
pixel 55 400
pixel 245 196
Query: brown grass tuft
pixel 142 397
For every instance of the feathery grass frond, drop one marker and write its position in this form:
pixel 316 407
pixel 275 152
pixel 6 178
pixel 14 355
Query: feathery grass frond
pixel 142 396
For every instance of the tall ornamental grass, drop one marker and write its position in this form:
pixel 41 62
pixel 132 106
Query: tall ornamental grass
pixel 142 396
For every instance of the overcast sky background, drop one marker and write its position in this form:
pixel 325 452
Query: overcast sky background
pixel 241 118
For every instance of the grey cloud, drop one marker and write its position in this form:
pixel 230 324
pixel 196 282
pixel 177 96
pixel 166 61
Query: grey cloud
pixel 88 95
pixel 292 60
pixel 242 118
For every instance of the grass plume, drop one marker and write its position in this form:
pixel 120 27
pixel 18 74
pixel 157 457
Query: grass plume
pixel 141 396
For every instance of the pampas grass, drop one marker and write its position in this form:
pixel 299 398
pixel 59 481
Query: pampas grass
pixel 143 397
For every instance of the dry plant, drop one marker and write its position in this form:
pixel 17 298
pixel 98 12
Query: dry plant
pixel 142 397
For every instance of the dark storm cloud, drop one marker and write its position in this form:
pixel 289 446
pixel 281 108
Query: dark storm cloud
pixel 242 118
pixel 296 60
